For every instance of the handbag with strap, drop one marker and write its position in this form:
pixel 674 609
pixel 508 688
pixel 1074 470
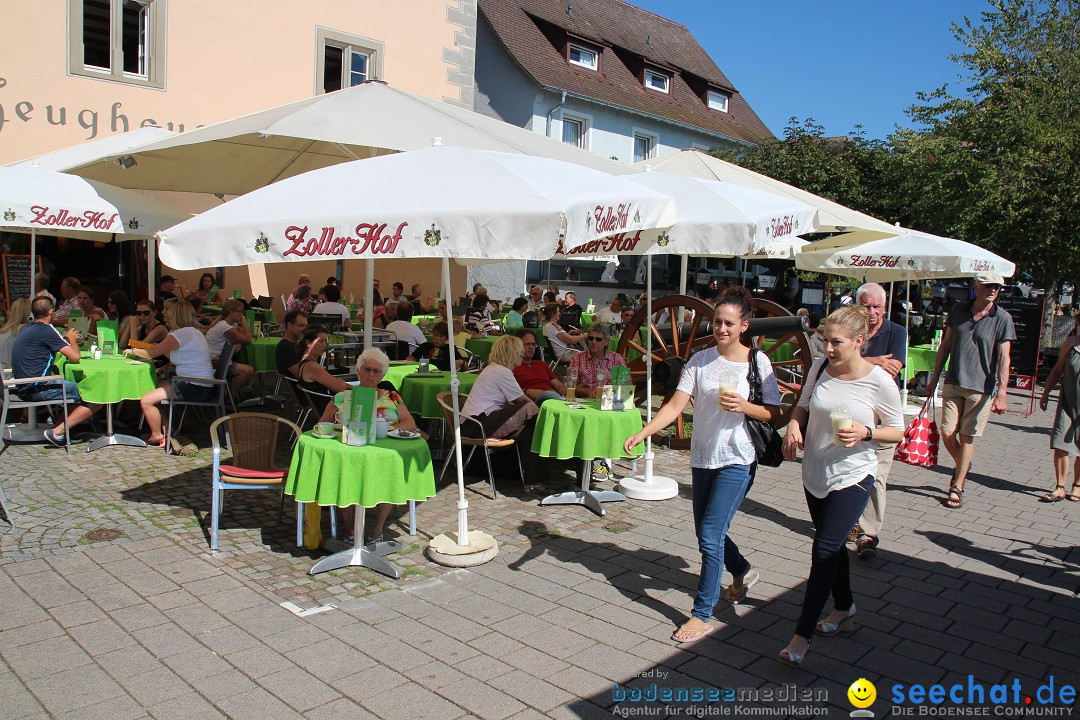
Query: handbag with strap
pixel 920 444
pixel 767 443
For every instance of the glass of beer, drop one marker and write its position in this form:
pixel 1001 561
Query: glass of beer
pixel 729 382
pixel 841 418
pixel 571 385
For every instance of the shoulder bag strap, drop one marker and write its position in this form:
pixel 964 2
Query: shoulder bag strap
pixel 753 376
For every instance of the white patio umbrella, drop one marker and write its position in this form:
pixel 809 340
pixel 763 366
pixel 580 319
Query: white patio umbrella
pixel 46 202
pixel 112 146
pixel 714 218
pixel 438 202
pixel 242 154
pixel 782 249
pixel 912 255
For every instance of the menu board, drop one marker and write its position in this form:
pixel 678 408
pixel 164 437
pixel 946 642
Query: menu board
pixel 1027 315
pixel 17 277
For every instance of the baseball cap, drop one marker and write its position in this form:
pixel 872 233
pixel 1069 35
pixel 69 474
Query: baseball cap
pixel 989 278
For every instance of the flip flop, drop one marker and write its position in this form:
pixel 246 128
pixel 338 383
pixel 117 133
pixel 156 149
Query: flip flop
pixel 749 580
pixel 688 640
pixel 1050 497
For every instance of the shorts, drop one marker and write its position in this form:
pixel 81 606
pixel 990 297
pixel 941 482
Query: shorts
pixel 190 392
pixel 52 391
pixel 964 410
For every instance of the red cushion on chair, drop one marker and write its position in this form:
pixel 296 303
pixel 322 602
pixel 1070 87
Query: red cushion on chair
pixel 249 473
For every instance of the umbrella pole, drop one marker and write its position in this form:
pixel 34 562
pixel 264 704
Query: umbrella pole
pixel 33 251
pixel 907 337
pixel 684 261
pixel 151 260
pixel 888 308
pixel 649 486
pixel 465 549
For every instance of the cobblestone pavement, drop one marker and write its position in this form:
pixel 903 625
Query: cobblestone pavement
pixel 113 606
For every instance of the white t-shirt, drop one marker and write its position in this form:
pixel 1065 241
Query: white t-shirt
pixel 551 332
pixel 330 308
pixel 720 438
pixel 494 389
pixel 192 358
pixel 407 332
pixel 827 466
pixel 215 337
pixel 607 315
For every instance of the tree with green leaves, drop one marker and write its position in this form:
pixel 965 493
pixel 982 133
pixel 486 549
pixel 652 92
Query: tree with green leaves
pixel 997 165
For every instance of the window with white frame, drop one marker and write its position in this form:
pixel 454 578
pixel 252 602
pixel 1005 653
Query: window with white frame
pixel 583 56
pixel 656 80
pixel 345 60
pixel 644 146
pixel 717 100
pixel 574 130
pixel 120 40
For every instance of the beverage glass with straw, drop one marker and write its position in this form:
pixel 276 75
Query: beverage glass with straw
pixel 729 383
pixel 841 418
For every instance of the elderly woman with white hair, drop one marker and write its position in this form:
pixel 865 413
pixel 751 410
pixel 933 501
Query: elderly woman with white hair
pixel 371 368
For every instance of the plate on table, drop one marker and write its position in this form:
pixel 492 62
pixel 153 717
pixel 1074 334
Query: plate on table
pixel 403 434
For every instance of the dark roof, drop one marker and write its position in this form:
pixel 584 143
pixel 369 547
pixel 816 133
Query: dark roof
pixel 534 31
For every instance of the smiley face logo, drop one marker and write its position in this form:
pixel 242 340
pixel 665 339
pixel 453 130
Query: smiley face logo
pixel 862 693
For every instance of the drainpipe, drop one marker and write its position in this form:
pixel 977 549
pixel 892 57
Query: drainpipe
pixel 552 112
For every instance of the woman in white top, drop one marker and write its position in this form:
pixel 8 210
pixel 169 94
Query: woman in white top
pixel 723 460
pixel 564 343
pixel 187 350
pixel 18 316
pixel 839 465
pixel 232 327
pixel 502 407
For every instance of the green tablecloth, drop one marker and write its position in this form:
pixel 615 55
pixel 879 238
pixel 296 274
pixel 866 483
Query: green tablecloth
pixel 397 372
pixel 481 347
pixel 780 354
pixel 260 354
pixel 212 309
pixel 563 432
pixel 327 472
pixel 110 379
pixel 428 319
pixel 419 393
pixel 920 358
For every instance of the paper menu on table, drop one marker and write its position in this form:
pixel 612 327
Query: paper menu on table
pixel 358 416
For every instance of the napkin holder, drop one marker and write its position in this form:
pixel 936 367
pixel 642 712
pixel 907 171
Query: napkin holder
pixel 624 397
pixel 607 397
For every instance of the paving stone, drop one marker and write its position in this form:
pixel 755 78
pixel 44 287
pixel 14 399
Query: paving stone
pixel 256 704
pixel 298 688
pixel 64 691
pixel 156 686
pixel 411 700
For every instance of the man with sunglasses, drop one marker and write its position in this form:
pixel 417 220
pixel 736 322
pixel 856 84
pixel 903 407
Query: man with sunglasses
pixel 977 339
pixel 593 365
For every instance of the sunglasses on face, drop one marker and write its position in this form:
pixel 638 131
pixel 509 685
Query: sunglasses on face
pixel 595 339
pixel 992 288
pixel 143 313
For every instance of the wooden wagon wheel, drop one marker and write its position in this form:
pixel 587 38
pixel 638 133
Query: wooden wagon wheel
pixel 673 344
pixel 787 350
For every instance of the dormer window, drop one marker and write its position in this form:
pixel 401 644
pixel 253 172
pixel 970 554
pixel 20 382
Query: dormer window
pixel 583 57
pixel 717 100
pixel 656 80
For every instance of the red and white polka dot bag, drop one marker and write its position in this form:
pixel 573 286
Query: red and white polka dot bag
pixel 920 443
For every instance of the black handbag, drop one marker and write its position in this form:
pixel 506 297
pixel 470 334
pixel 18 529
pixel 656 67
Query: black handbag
pixel 767 442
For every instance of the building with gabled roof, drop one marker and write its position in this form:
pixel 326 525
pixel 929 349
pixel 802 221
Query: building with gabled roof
pixel 608 76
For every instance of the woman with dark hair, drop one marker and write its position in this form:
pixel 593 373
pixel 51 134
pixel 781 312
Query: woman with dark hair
pixel 839 464
pixel 479 315
pixel 722 457
pixel 519 308
pixel 143 325
pixel 208 291
pixel 310 372
pixel 563 343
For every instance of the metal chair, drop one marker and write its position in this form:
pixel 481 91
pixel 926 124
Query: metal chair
pixel 489 444
pixel 217 398
pixel 14 402
pixel 252 438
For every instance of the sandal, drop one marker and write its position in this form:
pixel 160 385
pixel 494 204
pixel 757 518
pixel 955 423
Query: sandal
pixel 697 634
pixel 1052 496
pixel 958 502
pixel 1074 494
pixel 749 578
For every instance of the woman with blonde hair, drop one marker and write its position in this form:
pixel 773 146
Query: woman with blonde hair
pixel 837 412
pixel 501 406
pixel 187 350
pixel 18 316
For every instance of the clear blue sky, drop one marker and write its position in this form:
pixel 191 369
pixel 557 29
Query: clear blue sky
pixel 841 62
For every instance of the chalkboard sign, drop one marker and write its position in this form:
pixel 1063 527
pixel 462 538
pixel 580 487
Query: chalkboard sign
pixel 17 276
pixel 1027 315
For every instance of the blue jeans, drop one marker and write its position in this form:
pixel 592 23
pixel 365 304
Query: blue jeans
pixel 833 515
pixel 717 495
pixel 52 391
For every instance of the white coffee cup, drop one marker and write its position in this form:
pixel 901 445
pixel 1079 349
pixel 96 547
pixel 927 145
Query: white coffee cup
pixel 382 427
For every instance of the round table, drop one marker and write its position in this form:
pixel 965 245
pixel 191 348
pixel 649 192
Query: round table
pixel 588 433
pixel 328 472
pixel 108 381
pixel 419 392
pixel 397 373
pixel 260 354
pixel 481 346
